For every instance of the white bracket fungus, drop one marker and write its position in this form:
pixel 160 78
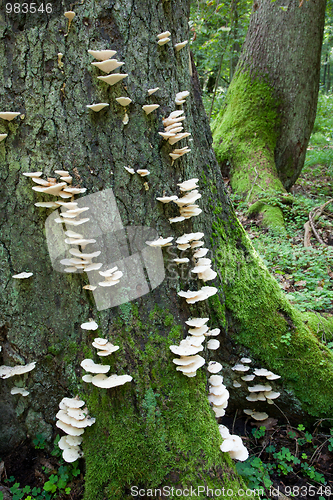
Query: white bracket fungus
pixel 22 276
pixel 3 136
pixel 108 65
pixel 149 108
pixel 91 325
pixel 233 445
pixel 160 242
pixel 102 55
pixel 124 101
pixel 180 45
pixel 10 371
pixel 214 367
pixel 97 107
pixel 19 390
pixel 113 79
pixel 163 38
pixel 240 368
pixel 91 367
pixel 213 344
pixel 152 91
pixel 143 172
pixel 167 199
pixel 195 296
pixel 9 115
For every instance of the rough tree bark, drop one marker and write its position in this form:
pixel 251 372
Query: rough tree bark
pixel 159 429
pixel 262 134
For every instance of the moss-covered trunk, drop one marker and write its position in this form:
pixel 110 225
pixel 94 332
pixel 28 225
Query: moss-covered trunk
pixel 158 429
pixel 262 133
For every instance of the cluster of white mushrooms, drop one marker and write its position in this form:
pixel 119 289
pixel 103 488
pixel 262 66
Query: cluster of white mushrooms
pixel 11 371
pixel 72 419
pixel 163 38
pixel 233 444
pixel 96 372
pixel 259 391
pixel 8 116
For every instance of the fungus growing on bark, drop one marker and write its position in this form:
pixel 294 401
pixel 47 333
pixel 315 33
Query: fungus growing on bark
pixel 167 199
pixel 70 15
pixel 19 390
pixel 9 115
pixel 236 384
pixel 143 172
pixel 108 65
pixel 91 367
pixel 180 45
pixel 181 261
pixel 188 185
pixel 160 242
pixel 152 91
pixel 214 367
pixel 105 347
pixel 11 371
pixel 113 79
pixel 105 382
pixel 177 219
pixel 248 378
pixel 177 153
pixel 72 421
pixel 97 107
pixel 233 445
pixel 240 368
pixel 124 101
pixel 22 276
pixel 213 344
pixel 91 325
pixel 259 415
pixel 102 55
pixel 196 296
pixel 149 108
pixel 130 170
pixel 163 38
pixel 3 136
pixel 245 360
pixel 181 96
pixel 111 277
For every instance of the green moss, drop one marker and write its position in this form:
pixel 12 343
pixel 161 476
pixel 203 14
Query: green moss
pixel 263 320
pixel 158 430
pixel 245 134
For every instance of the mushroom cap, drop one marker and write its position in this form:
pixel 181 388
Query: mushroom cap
pixel 215 380
pixel 214 367
pixel 240 455
pixel 71 403
pixel 272 394
pixel 87 378
pixel 213 333
pixel 19 390
pixel 112 381
pixel 98 106
pixel 261 372
pixel 181 261
pixel 232 443
pixel 163 41
pixel 273 376
pixel 260 388
pixel 22 275
pixel 73 440
pixel 188 198
pixel 177 219
pixel 152 91
pixel 46 204
pixel 108 65
pixel 219 411
pixel 185 360
pixel 167 199
pixel 217 390
pixel 197 363
pixel 196 322
pixel 3 136
pixel 106 350
pixel 196 244
pixel 32 174
pixel 149 108
pixel 220 399
pixel 245 360
pixel 164 34
pixel 200 253
pixel 185 349
pixel 195 340
pixel 213 344
pixel 90 325
pixel 71 454
pixel 8 115
pixel 253 397
pixel 124 101
pixel 259 415
pixel 89 287
pixel 100 342
pixel 77 413
pixel 72 431
pixel 224 431
pixel 63 444
pixel 113 78
pixel 180 45
pixel 198 331
pixel 102 55
pixel 236 384
pixel 10 371
pixel 248 412
pixel 160 242
pixel 90 366
pixel 240 368
pixel 143 172
pixel 188 185
pixel 207 275
pixel 69 14
pixel 93 267
pixel 248 378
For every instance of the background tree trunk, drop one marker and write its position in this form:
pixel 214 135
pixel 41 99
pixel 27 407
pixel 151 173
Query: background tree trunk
pixel 263 132
pixel 159 429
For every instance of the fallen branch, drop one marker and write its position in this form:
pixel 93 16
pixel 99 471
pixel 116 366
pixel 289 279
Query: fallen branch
pixel 315 213
pixel 307 235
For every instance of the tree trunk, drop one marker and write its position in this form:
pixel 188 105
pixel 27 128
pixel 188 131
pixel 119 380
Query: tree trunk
pixel 158 429
pixel 263 132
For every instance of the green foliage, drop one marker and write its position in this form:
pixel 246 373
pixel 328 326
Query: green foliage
pixel 57 484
